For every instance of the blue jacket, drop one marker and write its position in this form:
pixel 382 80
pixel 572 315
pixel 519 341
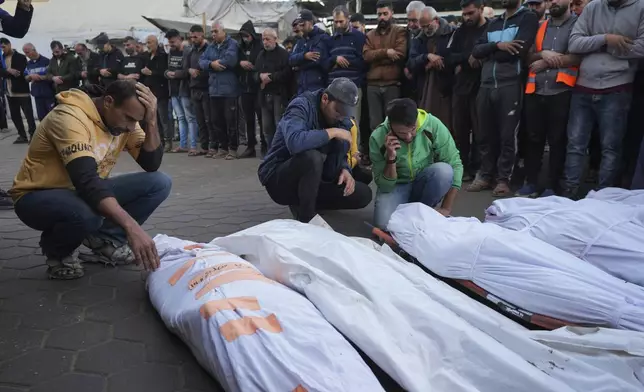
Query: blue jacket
pixel 18 25
pixel 311 74
pixel 44 88
pixel 301 129
pixel 222 83
pixel 348 45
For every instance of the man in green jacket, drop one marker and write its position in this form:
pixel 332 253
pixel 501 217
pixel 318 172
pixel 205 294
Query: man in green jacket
pixel 63 68
pixel 414 160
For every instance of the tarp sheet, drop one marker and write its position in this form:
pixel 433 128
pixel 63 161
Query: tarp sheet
pixel 518 268
pixel 605 234
pixel 423 333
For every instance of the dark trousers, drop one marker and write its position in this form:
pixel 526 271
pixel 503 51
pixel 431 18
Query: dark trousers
pixel 207 133
pixel 379 97
pixel 272 109
pixel 362 175
pixel 223 114
pixel 166 129
pixel 65 219
pixel 3 112
pixel 250 106
pixel 466 124
pixel 298 182
pixel 44 106
pixel 546 119
pixel 499 111
pixel 16 104
pixel 365 125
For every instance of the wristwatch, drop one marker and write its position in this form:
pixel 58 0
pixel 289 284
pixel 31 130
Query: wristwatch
pixel 392 161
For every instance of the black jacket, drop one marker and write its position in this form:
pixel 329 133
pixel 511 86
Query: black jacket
pixel 133 65
pixel 275 63
pixel 249 52
pixel 93 68
pixel 19 84
pixel 112 62
pixel 157 81
pixel 467 81
pixel 67 68
pixel 418 57
pixel 177 63
pixel 200 82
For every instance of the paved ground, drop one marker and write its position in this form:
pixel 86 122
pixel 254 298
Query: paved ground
pixel 100 333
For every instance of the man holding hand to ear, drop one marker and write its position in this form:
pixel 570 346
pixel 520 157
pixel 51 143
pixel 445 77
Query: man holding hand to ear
pixel 414 160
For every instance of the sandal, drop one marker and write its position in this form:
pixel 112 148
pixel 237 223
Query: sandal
pixel 231 156
pixel 479 185
pixel 193 153
pixel 66 269
pixel 179 150
pixel 502 190
pixel 211 153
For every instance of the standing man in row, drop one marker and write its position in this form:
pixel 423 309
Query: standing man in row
pixel 220 61
pixel 89 65
pixel 133 62
pixel 310 55
pixel 63 68
pixel 112 59
pixel 249 48
pixel 41 89
pixel 198 86
pixel 18 97
pixel 156 63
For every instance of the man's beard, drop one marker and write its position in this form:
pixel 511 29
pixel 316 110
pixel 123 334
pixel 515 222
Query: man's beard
pixel 269 48
pixel 247 41
pixel 557 11
pixel 414 32
pixel 341 29
pixel 129 52
pixel 383 24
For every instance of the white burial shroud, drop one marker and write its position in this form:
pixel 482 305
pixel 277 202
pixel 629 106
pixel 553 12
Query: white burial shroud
pixel 251 333
pixel 518 268
pixel 426 335
pixel 608 235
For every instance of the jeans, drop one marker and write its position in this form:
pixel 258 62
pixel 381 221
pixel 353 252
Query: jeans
pixel 546 118
pixel 499 111
pixel 44 106
pixel 65 219
pixel 638 176
pixel 187 122
pixel 251 108
pixel 272 107
pixel 223 114
pixel 610 113
pixel 379 97
pixel 429 187
pixel 298 182
pixel 24 103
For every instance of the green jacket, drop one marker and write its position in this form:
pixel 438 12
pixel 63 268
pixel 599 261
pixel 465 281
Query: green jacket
pixel 67 69
pixel 433 143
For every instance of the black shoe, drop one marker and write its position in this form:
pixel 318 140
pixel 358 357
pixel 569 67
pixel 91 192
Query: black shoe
pixel 5 201
pixel 249 153
pixel 263 150
pixel 21 140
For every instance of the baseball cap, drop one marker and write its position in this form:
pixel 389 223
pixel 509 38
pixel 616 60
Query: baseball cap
pixel 102 39
pixel 344 92
pixel 534 1
pixel 305 15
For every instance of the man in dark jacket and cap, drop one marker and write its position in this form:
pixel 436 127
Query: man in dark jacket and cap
pixel 249 47
pixel 306 167
pixel 111 62
pixel 310 55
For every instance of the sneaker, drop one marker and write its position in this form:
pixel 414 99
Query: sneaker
pixel 528 190
pixel 221 154
pixel 21 140
pixel 548 192
pixel 249 152
pixel 5 130
pixel 106 252
pixel 6 203
pixel 64 269
pixel 168 146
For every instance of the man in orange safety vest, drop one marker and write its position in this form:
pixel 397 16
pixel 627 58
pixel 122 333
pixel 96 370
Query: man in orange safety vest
pixel 553 73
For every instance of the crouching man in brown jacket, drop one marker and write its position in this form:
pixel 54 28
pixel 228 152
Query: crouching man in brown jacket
pixel 384 52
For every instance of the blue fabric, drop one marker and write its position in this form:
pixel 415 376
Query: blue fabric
pixel 301 129
pixel 224 83
pixel 610 111
pixel 18 25
pixel 42 89
pixel 429 187
pixel 348 45
pixel 312 75
pixel 44 106
pixel 187 120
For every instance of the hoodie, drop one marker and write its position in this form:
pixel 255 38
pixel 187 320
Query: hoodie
pixel 72 149
pixel 43 88
pixel 502 68
pixel 349 45
pixel 433 143
pixel 603 67
pixel 311 73
pixel 248 52
pixel 302 128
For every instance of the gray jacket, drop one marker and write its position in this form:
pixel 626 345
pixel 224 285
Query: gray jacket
pixel 603 67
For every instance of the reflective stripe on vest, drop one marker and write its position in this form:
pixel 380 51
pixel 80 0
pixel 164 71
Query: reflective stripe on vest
pixel 567 76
